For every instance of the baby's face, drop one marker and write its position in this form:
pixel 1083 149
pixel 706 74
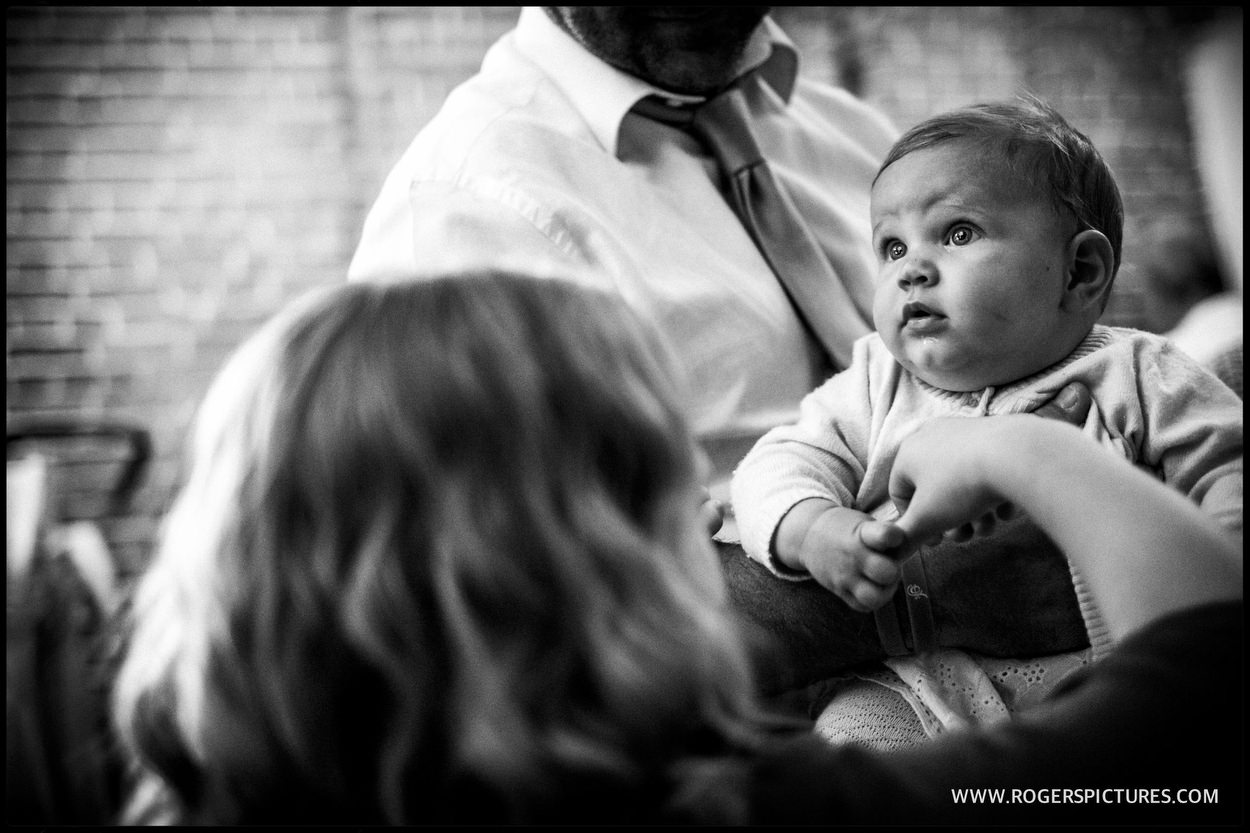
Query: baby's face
pixel 972 270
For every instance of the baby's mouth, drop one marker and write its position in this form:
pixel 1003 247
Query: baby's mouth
pixel 914 310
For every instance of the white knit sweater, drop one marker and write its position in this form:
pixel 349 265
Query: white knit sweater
pixel 1151 402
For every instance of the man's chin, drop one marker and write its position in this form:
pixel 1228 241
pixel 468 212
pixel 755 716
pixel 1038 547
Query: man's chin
pixel 693 73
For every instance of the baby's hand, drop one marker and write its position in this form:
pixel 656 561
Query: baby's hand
pixel 711 513
pixel 854 556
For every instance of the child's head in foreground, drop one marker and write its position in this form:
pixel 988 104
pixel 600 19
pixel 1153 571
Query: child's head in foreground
pixel 997 229
pixel 437 538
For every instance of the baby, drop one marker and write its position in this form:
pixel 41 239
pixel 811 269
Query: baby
pixel 997 229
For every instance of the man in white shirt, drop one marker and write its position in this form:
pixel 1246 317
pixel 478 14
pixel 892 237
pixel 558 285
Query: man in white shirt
pixel 540 163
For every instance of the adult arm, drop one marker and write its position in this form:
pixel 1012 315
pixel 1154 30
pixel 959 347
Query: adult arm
pixel 1149 735
pixel 1145 549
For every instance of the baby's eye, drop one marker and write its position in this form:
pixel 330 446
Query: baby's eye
pixel 894 250
pixel 962 235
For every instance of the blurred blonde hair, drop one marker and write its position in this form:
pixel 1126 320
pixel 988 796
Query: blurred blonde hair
pixel 438 559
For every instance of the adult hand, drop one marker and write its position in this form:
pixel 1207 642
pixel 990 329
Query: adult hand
pixel 943 494
pixel 1070 404
pixel 928 456
pixel 1122 528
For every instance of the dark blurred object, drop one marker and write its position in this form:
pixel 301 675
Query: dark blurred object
pixel 1190 17
pixel 1179 268
pixel 1190 302
pixel 1212 69
pixel 134 440
pixel 62 765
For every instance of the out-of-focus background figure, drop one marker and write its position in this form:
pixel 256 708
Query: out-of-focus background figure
pixel 1194 275
pixel 1189 299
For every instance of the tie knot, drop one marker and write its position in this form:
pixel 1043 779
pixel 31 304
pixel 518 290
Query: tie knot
pixel 722 123
pixel 666 110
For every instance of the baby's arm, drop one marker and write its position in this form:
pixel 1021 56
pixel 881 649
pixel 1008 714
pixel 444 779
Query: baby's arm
pixel 820 458
pixel 847 551
pixel 1192 434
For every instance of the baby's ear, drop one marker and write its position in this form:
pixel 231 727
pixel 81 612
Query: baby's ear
pixel 1091 267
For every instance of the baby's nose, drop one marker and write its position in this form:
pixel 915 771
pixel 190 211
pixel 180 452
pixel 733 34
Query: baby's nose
pixel 918 271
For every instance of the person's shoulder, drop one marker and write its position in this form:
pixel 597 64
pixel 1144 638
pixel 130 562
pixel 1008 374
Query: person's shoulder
pixel 1144 346
pixel 1128 335
pixel 1164 370
pixel 509 108
pixel 1106 343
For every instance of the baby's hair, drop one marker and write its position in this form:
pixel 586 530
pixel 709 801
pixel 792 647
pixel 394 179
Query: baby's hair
pixel 1037 144
pixel 437 560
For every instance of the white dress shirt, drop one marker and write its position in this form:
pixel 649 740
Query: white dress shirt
pixel 537 164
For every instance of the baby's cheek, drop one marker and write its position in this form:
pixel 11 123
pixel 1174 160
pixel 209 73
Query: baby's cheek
pixel 885 321
pixel 884 298
pixel 897 347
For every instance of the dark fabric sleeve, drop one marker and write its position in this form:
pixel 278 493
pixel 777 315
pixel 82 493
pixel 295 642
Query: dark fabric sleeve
pixel 1151 735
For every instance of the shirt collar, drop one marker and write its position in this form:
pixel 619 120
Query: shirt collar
pixel 604 94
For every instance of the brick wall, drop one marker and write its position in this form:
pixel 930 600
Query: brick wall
pixel 175 174
pixel 1114 72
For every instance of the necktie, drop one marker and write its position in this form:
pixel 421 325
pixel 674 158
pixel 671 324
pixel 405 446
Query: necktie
pixel 768 214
